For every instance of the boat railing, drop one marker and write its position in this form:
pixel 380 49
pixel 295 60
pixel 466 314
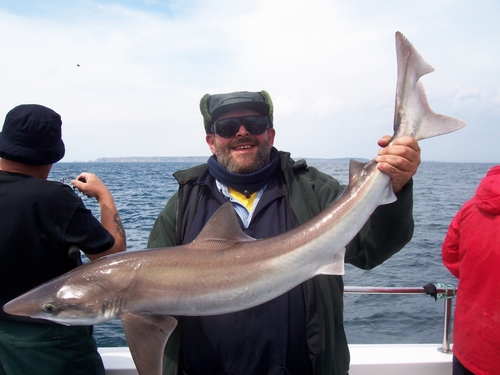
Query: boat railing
pixel 437 290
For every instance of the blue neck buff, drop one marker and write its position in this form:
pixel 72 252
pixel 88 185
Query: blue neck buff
pixel 245 183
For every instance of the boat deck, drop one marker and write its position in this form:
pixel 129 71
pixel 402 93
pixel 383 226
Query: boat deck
pixel 397 359
pixel 386 359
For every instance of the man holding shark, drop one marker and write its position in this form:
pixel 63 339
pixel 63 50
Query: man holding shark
pixel 301 332
pixel 257 289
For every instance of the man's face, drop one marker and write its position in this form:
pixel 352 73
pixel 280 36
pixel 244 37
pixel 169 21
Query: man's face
pixel 244 153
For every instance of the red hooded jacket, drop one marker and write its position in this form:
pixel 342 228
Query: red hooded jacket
pixel 471 251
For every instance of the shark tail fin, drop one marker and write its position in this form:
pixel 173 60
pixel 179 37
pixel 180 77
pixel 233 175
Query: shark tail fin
pixel 413 115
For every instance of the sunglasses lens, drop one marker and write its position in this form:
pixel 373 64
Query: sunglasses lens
pixel 255 125
pixel 229 127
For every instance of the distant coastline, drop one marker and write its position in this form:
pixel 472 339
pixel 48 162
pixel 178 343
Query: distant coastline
pixel 191 159
pixel 153 159
pixel 203 159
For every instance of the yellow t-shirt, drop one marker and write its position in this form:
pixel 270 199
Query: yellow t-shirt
pixel 242 198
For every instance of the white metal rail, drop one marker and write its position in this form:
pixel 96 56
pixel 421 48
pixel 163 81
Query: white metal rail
pixel 438 291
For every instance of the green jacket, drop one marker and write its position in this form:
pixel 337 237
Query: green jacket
pixel 308 192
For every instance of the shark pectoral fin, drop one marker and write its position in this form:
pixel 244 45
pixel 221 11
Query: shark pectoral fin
pixel 146 336
pixel 336 267
pixel 222 230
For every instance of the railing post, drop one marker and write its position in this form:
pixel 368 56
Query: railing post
pixel 449 293
pixel 447 326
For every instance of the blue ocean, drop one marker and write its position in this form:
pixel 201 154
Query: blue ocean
pixel 142 189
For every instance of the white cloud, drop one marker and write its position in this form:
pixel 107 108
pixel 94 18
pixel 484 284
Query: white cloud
pixel 330 67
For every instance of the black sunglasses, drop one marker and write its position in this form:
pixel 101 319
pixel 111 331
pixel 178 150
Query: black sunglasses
pixel 228 127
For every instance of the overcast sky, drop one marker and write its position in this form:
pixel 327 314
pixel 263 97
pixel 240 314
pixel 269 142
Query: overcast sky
pixel 127 76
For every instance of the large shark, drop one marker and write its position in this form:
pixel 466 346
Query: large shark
pixel 223 270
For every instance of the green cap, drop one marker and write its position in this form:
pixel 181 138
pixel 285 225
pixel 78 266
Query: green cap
pixel 213 106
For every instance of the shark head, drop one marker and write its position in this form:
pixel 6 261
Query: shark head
pixel 65 300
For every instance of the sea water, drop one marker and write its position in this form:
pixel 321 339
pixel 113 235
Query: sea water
pixel 141 190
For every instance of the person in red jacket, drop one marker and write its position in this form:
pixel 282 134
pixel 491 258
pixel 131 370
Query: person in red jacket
pixel 471 251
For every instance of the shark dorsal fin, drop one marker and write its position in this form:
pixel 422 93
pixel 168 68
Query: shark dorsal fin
pixel 359 170
pixel 223 229
pixel 355 169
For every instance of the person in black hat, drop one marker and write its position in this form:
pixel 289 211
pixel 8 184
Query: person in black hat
pixel 300 332
pixel 41 224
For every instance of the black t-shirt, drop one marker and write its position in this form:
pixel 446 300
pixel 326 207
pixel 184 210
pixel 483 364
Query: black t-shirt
pixel 39 221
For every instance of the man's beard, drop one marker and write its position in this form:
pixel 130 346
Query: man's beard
pixel 262 157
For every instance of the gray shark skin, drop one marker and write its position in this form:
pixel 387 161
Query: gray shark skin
pixel 223 270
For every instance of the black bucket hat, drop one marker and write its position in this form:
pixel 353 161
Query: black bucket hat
pixel 31 134
pixel 212 106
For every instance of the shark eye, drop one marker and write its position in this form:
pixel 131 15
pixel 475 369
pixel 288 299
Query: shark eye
pixel 48 307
